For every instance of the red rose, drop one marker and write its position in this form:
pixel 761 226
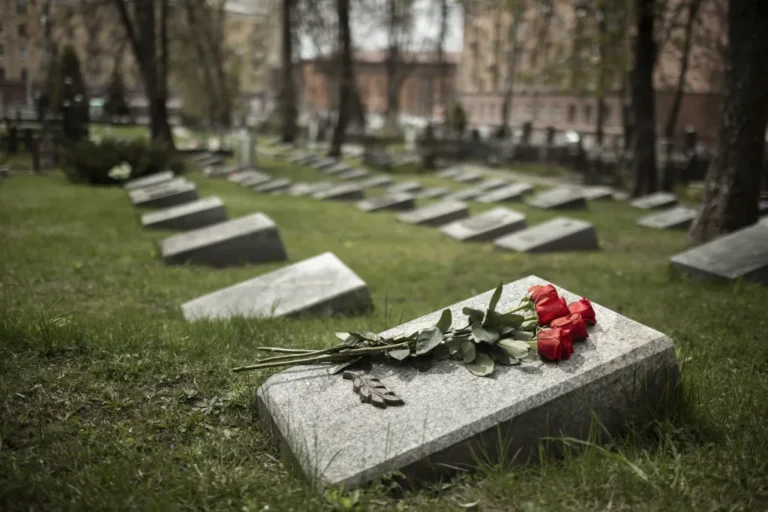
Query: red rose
pixel 554 344
pixel 584 308
pixel 575 324
pixel 550 308
pixel 539 292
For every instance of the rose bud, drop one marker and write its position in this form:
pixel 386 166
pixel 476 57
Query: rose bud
pixel 584 308
pixel 550 308
pixel 554 344
pixel 539 292
pixel 575 324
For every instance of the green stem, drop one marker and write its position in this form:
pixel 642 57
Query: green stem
pixel 524 306
pixel 300 354
pixel 528 319
pixel 286 350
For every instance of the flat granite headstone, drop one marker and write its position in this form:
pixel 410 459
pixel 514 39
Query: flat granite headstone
pixel 273 186
pixel 451 172
pixel 401 201
pixel 655 201
pixel 318 285
pixel 307 189
pixel 743 253
pixel 437 214
pixel 375 181
pixel 192 215
pixel 622 373
pixel 250 239
pixel 678 217
pixel 560 234
pixel 597 193
pixel 353 174
pixel 486 226
pixel 406 186
pixel 171 193
pixel 465 194
pixel 324 163
pixel 245 175
pixel 256 180
pixel 299 158
pixel 149 181
pixel 223 171
pixel 492 184
pixel 336 169
pixel 435 192
pixel 468 177
pixel 211 161
pixel 343 192
pixel 512 192
pixel 560 198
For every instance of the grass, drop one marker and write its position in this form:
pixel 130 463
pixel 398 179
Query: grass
pixel 110 401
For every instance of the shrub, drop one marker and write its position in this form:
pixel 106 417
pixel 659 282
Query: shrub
pixel 90 162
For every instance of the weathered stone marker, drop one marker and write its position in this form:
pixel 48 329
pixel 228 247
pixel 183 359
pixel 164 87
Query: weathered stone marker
pixel 560 234
pixel 451 172
pixel 336 169
pixel 250 239
pixel 678 217
pixel 486 226
pixel 513 192
pixel 655 201
pixel 401 201
pixel 247 176
pixel 324 163
pixel 437 214
pixel 171 193
pixel 223 170
pixel 273 186
pixel 468 177
pixel 343 192
pixel 353 174
pixel 318 285
pixel 307 189
pixel 149 181
pixel 622 372
pixel 740 254
pixel 492 184
pixel 406 186
pixel 435 192
pixel 256 180
pixel 465 194
pixel 375 181
pixel 560 198
pixel 597 193
pixel 192 215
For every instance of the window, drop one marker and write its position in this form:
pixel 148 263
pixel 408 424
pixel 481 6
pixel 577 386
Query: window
pixel 24 76
pixel 22 30
pixel 571 113
pixel 21 6
pixel 23 54
pixel 587 113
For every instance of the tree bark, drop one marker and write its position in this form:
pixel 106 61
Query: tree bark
pixel 643 101
pixel 443 69
pixel 506 107
pixel 732 189
pixel 288 97
pixel 346 79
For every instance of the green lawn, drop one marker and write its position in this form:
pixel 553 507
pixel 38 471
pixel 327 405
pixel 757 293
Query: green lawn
pixel 110 401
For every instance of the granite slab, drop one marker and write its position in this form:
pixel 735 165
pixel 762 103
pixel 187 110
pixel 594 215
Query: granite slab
pixel 449 173
pixel 486 226
pixel 250 239
pixel 376 181
pixel 401 201
pixel 560 198
pixel 492 184
pixel 246 174
pixel 319 285
pixel 211 161
pixel 437 214
pixel 511 192
pixel 742 254
pixel 621 374
pixel 597 193
pixel 223 171
pixel 192 215
pixel 299 158
pixel 353 174
pixel 256 180
pixel 467 177
pixel 465 194
pixel 435 192
pixel 149 181
pixel 324 163
pixel 343 192
pixel 655 201
pixel 337 169
pixel 556 235
pixel 273 186
pixel 171 193
pixel 307 189
pixel 677 217
pixel 405 186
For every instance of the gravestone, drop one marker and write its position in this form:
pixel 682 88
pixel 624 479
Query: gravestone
pixel 308 159
pixel 512 192
pixel 149 181
pixel 324 163
pixel 742 254
pixel 318 285
pixel 486 226
pixel 210 161
pixel 492 184
pixel 468 177
pixel 437 214
pixel 247 176
pixel 337 169
pixel 449 173
pixel 406 186
pixel 655 201
pixel 307 189
pixel 223 171
pixel 250 239
pixel 400 201
pixel 465 194
pixel 273 186
pixel 560 198
pixel 376 181
pixel 622 374
pixel 597 193
pixel 192 215
pixel 256 180
pixel 560 234
pixel 299 158
pixel 435 192
pixel 171 193
pixel 353 174
pixel 678 217
pixel 343 192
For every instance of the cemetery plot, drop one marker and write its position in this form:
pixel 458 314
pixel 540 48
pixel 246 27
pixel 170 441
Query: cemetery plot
pixel 435 192
pixel 336 169
pixel 250 239
pixel 621 373
pixel 560 234
pixel 319 285
pixel 512 192
pixel 492 184
pixel 344 192
pixel 486 226
pixel 247 177
pixel 307 189
pixel 256 180
pixel 678 217
pixel 192 215
pixel 401 201
pixel 211 161
pixel 300 158
pixel 273 186
pixel 465 194
pixel 406 186
pixel 353 174
pixel 224 171
pixel 171 193
pixel 597 193
pixel 559 198
pixel 437 214
pixel 655 201
pixel 376 181
pixel 743 254
pixel 149 181
pixel 451 172
pixel 325 163
pixel 468 177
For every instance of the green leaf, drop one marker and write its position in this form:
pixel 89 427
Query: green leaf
pixel 531 357
pixel 515 348
pixel 510 320
pixel 468 351
pixel 484 334
pixel 453 345
pixel 400 354
pixel 366 335
pixel 499 355
pixel 446 319
pixel 522 335
pixel 475 315
pixel 495 298
pixel 482 365
pixel 427 340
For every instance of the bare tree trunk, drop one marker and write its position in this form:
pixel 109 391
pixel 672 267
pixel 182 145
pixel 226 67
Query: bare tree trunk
pixel 643 101
pixel 346 79
pixel 289 89
pixel 732 190
pixel 506 106
pixel 602 43
pixel 443 85
pixel 393 64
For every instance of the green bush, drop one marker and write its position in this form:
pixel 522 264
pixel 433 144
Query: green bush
pixel 90 162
